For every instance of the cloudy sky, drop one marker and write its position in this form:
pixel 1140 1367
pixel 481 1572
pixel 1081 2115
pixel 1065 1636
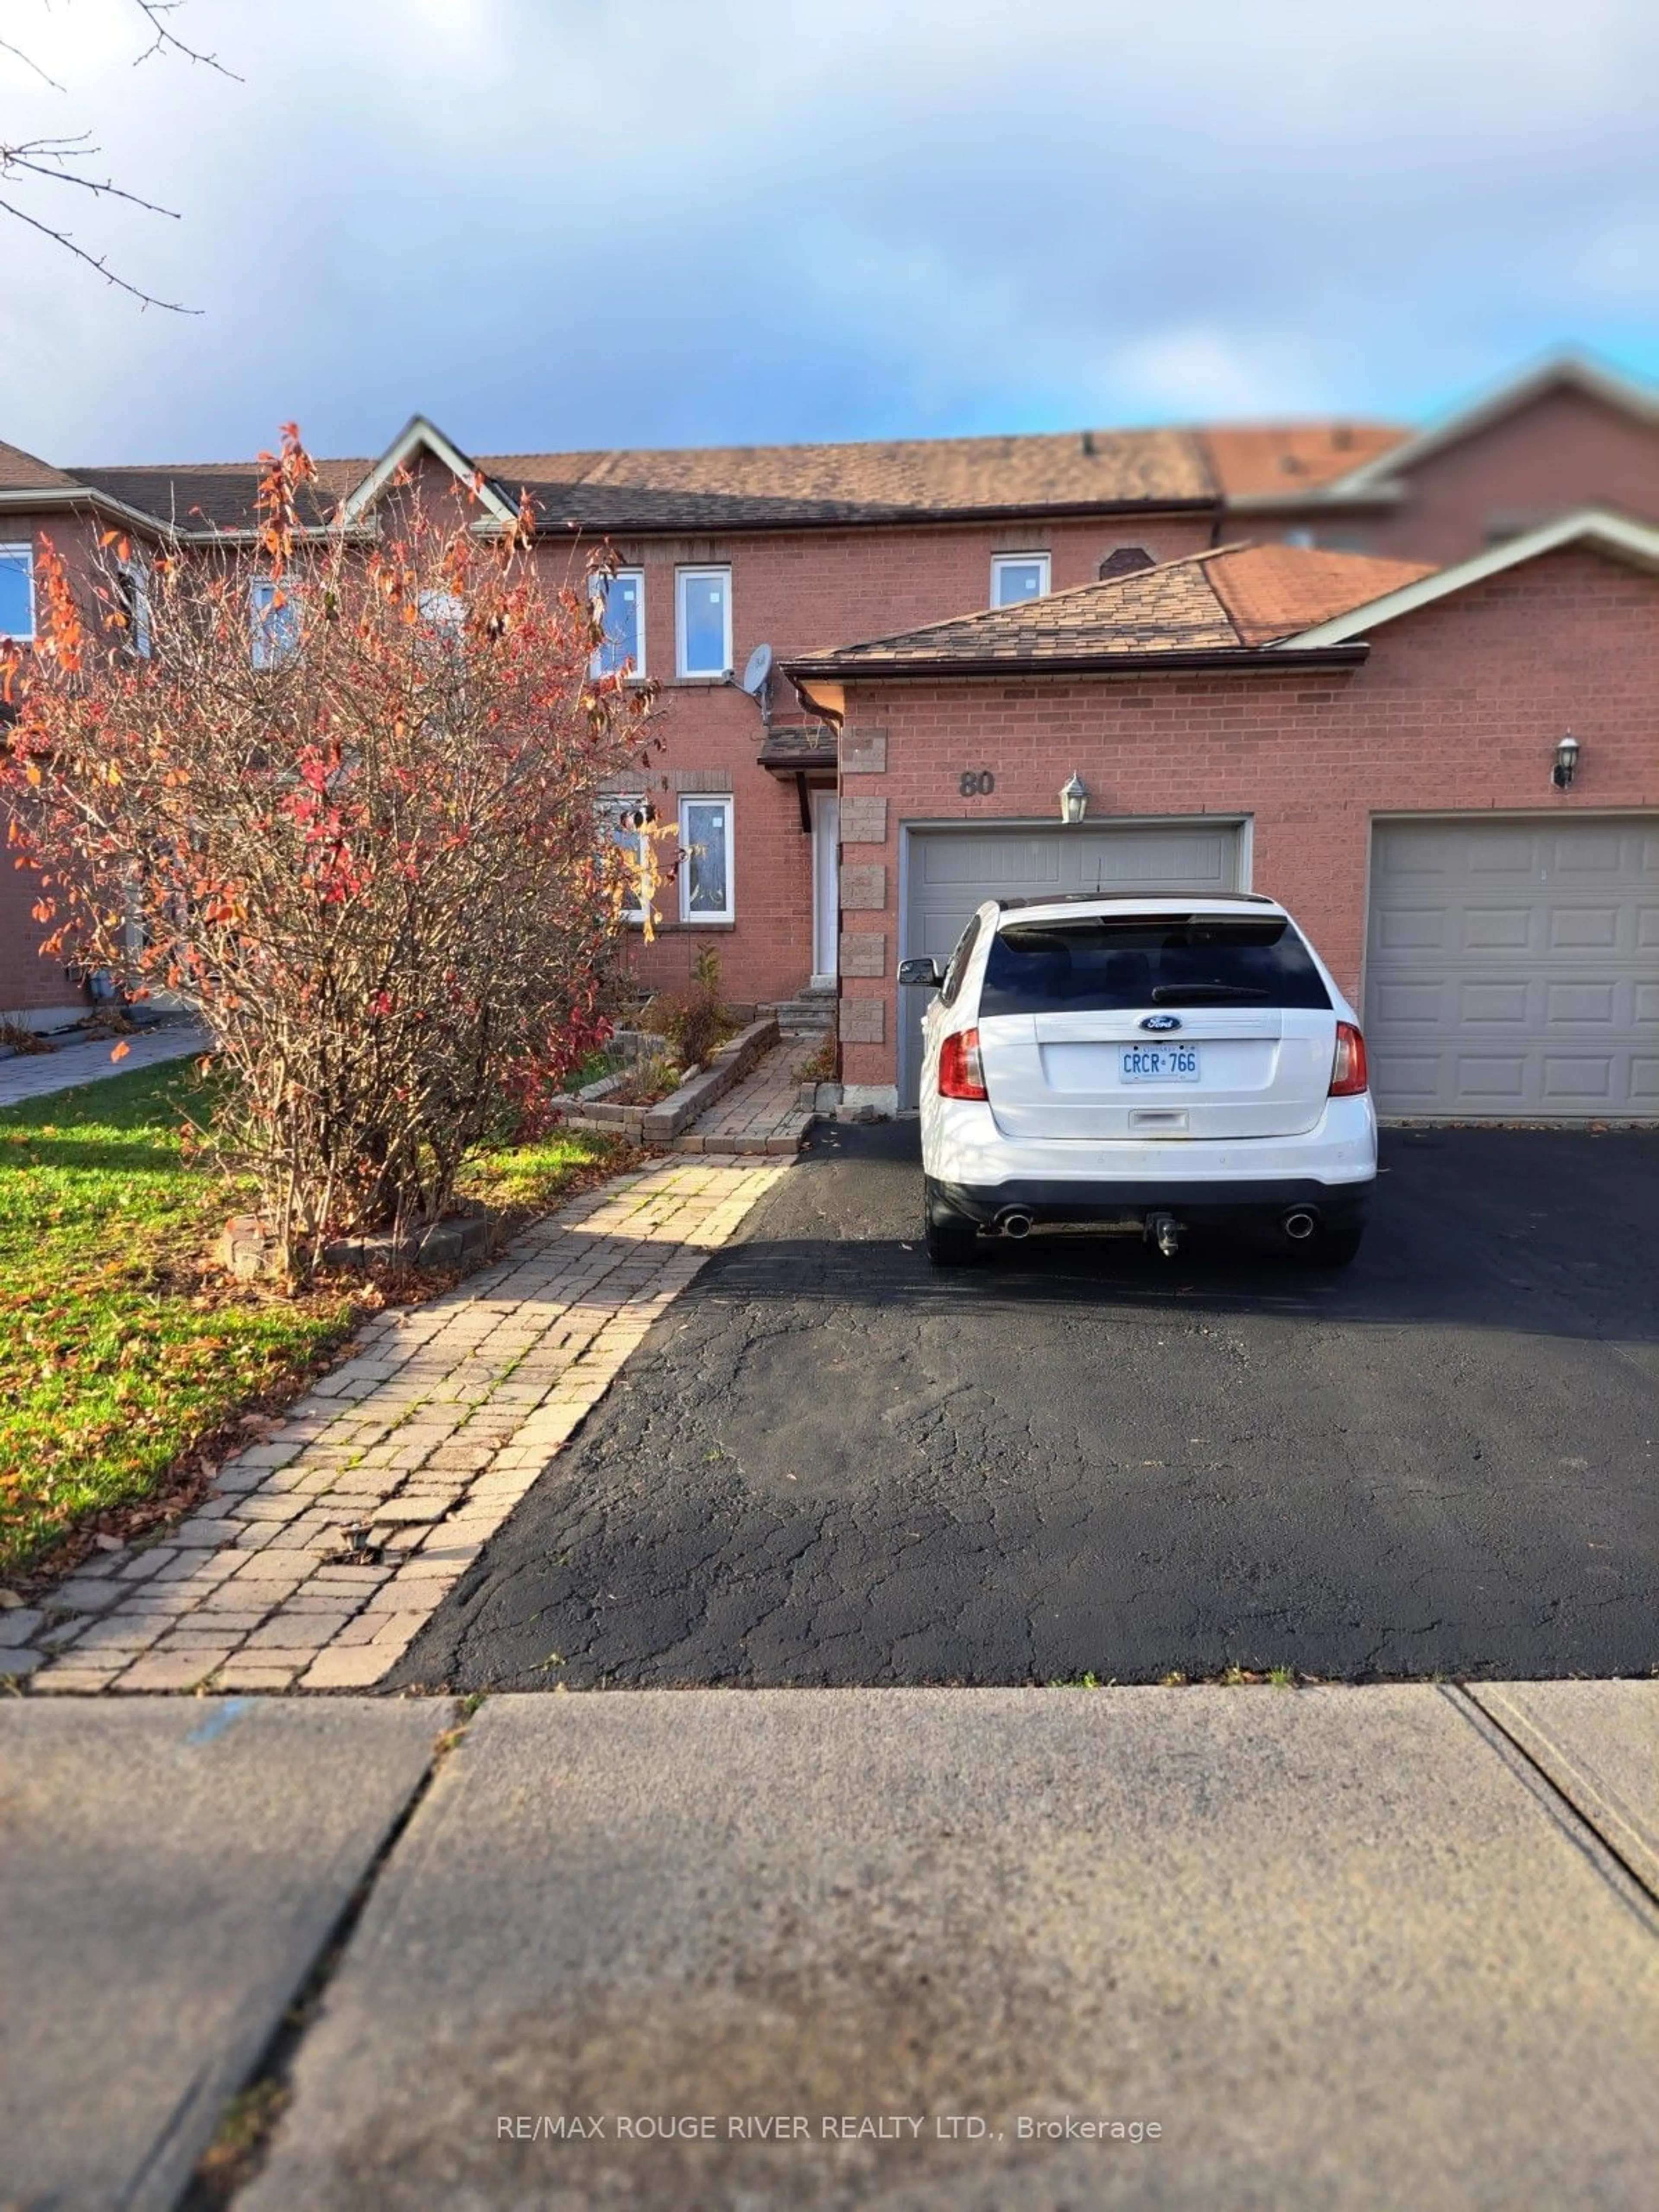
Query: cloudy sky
pixel 557 223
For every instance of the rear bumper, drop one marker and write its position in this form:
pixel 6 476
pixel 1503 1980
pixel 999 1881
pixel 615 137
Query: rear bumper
pixel 976 1173
pixel 1196 1204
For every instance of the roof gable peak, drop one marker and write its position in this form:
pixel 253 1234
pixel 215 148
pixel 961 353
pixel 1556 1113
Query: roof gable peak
pixel 1571 369
pixel 418 435
pixel 1618 536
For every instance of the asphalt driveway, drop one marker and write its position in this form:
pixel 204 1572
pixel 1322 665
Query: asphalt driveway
pixel 830 1465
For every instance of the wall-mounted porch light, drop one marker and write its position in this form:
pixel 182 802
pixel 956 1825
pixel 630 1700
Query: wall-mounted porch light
pixel 1073 800
pixel 1566 762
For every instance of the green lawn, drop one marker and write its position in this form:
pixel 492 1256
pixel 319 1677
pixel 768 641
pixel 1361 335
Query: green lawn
pixel 119 1353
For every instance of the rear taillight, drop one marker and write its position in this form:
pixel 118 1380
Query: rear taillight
pixel 960 1074
pixel 1348 1072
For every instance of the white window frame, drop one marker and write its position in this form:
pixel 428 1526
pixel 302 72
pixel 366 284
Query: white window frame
pixel 602 587
pixel 611 807
pixel 1001 561
pixel 728 913
pixel 27 549
pixel 259 641
pixel 681 578
pixel 135 571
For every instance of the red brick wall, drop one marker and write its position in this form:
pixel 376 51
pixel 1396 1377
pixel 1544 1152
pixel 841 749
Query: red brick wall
pixel 1459 707
pixel 795 591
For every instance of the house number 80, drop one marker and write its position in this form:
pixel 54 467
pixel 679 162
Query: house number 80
pixel 976 783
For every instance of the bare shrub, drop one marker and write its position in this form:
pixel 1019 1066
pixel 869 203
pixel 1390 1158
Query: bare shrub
pixel 339 801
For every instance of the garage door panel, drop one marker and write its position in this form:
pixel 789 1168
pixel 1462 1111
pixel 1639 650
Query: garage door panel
pixel 990 861
pixel 1513 969
pixel 1412 929
pixel 1410 1002
pixel 1568 1002
pixel 1416 1081
pixel 1593 849
pixel 1488 1002
pixel 1494 849
pixel 1572 929
pixel 950 873
pixel 1578 1078
pixel 1496 1081
pixel 1495 928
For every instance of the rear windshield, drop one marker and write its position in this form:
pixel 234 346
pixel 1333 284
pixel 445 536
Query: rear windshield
pixel 1099 964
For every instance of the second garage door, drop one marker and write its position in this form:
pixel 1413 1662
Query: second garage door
pixel 1512 969
pixel 950 871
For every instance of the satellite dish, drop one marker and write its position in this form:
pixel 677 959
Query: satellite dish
pixel 757 681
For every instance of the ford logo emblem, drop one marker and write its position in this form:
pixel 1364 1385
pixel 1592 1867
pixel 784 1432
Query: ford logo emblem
pixel 1161 1022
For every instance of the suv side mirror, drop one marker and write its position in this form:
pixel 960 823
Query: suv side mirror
pixel 921 971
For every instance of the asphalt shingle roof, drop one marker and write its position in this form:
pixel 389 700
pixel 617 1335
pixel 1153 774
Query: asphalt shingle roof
pixel 731 487
pixel 22 471
pixel 1229 599
pixel 1247 458
pixel 214 495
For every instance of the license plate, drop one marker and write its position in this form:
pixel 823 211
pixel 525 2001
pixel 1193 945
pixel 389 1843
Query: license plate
pixel 1160 1063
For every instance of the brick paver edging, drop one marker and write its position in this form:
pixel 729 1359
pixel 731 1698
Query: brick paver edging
pixel 430 1435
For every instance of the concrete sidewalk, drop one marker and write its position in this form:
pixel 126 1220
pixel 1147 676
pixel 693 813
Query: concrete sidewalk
pixel 973 1949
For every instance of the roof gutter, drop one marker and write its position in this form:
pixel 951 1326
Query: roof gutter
pixel 67 498
pixel 56 499
pixel 1330 494
pixel 1269 658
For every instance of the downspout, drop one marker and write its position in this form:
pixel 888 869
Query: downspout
pixel 836 716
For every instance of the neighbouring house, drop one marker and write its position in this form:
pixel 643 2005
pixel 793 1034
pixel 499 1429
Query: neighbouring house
pixel 1127 635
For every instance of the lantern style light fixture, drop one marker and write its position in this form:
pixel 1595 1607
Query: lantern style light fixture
pixel 1073 800
pixel 1566 762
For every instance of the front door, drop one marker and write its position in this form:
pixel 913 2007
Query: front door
pixel 826 883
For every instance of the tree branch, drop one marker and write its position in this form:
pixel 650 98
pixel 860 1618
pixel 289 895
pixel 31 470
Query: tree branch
pixel 169 42
pixel 95 261
pixel 50 160
pixel 29 62
pixel 49 157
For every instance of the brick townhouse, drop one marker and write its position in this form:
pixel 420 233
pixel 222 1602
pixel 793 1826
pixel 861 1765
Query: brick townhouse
pixel 840 817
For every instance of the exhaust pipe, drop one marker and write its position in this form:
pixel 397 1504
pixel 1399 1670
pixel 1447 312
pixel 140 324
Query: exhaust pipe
pixel 1014 1224
pixel 1165 1231
pixel 1299 1224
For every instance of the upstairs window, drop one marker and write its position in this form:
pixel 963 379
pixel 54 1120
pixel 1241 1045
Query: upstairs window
pixel 16 591
pixel 1019 577
pixel 274 621
pixel 706 871
pixel 622 601
pixel 704 622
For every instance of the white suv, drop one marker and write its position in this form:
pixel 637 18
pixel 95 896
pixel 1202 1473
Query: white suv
pixel 1142 1065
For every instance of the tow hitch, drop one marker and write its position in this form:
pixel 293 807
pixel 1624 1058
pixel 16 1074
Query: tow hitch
pixel 1164 1231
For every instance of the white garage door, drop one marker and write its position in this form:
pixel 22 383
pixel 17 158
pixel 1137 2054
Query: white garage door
pixel 1512 970
pixel 950 871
